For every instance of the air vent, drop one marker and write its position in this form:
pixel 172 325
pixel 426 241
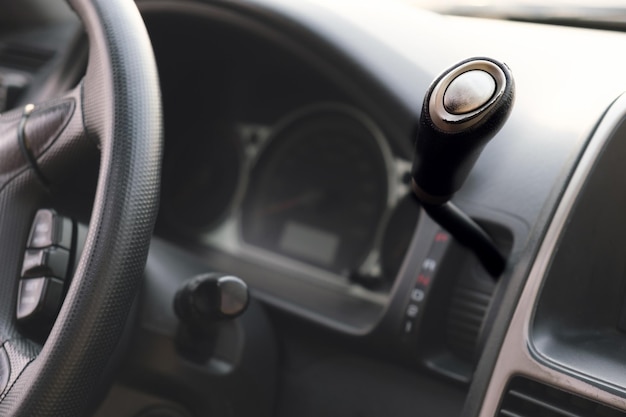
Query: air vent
pixel 23 57
pixel 527 398
pixel 468 306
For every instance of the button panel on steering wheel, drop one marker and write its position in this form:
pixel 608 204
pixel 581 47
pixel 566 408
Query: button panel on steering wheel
pixel 45 268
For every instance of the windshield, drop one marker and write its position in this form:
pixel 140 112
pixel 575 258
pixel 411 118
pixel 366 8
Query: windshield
pixel 562 4
pixel 602 14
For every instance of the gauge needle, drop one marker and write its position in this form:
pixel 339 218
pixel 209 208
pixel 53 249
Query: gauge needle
pixel 301 200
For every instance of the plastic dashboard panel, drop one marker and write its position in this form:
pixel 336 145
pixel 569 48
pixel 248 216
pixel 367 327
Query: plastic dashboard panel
pixel 523 171
pixel 348 308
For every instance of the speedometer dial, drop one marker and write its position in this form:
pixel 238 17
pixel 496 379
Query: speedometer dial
pixel 319 189
pixel 202 177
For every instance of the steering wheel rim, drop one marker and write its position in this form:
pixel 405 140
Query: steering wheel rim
pixel 117 106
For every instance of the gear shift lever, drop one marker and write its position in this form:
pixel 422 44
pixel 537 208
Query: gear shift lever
pixel 463 109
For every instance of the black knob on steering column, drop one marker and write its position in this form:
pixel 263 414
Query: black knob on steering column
pixel 463 109
pixel 207 298
pixel 205 304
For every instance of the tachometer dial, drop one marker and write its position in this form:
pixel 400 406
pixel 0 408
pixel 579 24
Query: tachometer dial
pixel 319 189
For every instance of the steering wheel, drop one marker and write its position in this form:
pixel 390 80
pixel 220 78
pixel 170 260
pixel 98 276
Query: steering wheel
pixel 117 108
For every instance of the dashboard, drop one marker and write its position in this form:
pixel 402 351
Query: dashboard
pixel 284 171
pixel 289 136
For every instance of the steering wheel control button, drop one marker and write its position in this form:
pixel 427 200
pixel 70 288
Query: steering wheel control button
pixel 39 298
pixel 45 268
pixel 469 92
pixel 423 283
pixel 31 294
pixel 50 229
pixel 51 261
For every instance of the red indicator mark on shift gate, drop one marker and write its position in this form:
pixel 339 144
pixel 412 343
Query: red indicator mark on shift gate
pixel 423 280
pixel 442 237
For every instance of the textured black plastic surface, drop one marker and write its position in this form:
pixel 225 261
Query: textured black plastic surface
pixel 319 381
pixel 118 105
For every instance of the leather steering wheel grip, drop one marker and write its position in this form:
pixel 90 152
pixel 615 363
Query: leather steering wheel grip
pixel 117 107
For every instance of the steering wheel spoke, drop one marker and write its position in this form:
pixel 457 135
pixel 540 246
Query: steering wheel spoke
pixel 34 144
